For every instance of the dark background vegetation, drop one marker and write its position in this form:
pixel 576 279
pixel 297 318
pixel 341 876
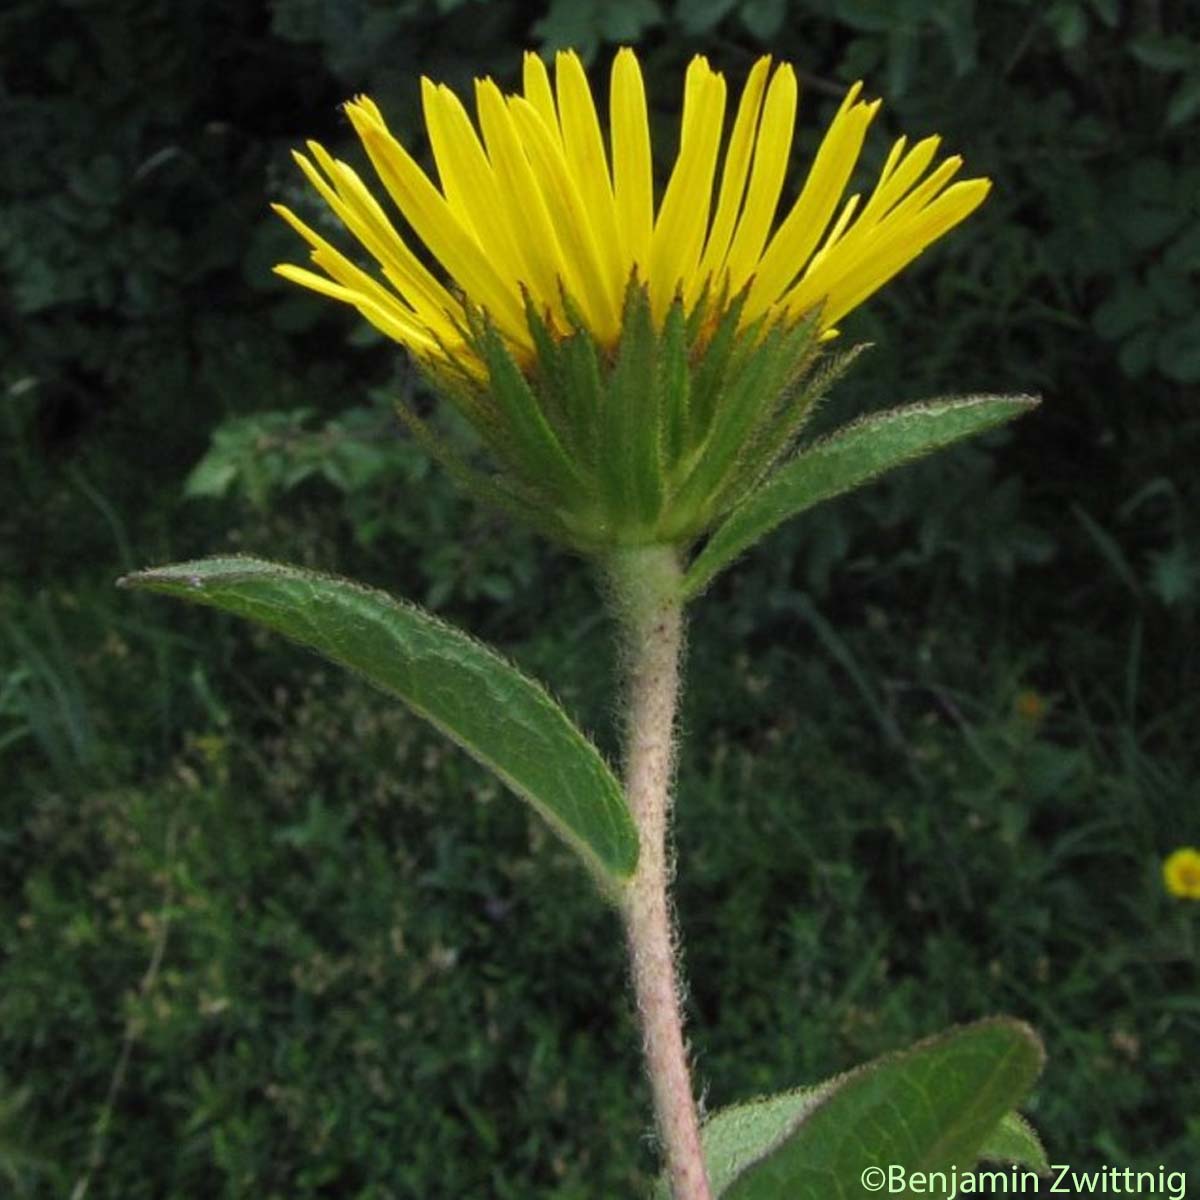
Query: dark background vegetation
pixel 262 934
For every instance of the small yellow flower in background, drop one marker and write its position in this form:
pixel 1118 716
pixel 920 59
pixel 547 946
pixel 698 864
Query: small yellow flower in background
pixel 1181 873
pixel 1030 705
pixel 539 208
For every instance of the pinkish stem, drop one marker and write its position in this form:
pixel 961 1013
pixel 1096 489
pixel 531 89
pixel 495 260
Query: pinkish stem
pixel 647 594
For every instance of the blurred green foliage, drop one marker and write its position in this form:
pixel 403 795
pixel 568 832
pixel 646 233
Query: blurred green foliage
pixel 375 976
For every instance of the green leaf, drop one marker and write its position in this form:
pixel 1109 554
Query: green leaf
pixel 848 458
pixel 734 1137
pixel 752 384
pixel 1014 1141
pixel 211 476
pixel 503 719
pixel 1174 574
pixel 539 453
pixel 631 460
pixel 486 488
pixel 795 389
pixel 1165 52
pixel 558 403
pixel 673 384
pixel 584 394
pixel 761 381
pixel 934 1107
pixel 1069 23
pixel 712 369
pixel 804 397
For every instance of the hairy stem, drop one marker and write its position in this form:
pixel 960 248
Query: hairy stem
pixel 646 583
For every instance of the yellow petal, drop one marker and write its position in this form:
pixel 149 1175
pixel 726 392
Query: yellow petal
pixel 881 218
pixel 583 147
pixel 895 246
pixel 361 214
pixel 955 204
pixel 334 262
pixel 898 175
pixel 539 93
pixel 469 181
pixel 387 319
pixel 349 283
pixel 524 203
pixel 530 207
pixel 404 270
pixel 766 179
pixel 839 226
pixel 585 272
pixel 633 182
pixel 430 216
pixel 368 107
pixel 920 195
pixel 893 158
pixel 683 215
pixel 803 227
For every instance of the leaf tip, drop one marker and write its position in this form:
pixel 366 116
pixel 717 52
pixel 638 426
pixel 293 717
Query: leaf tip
pixel 135 579
pixel 1018 1029
pixel 1027 1033
pixel 160 575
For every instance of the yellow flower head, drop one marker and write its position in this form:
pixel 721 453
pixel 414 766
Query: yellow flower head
pixel 1181 873
pixel 635 370
pixel 534 207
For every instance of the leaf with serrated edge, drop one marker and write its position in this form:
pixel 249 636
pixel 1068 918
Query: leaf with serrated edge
pixel 932 1107
pixel 852 456
pixel 502 718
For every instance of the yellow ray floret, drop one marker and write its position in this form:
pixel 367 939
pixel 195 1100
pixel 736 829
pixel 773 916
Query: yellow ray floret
pixel 534 205
pixel 1181 873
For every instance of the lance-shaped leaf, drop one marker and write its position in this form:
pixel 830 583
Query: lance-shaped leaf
pixel 852 456
pixel 631 457
pixel 739 1136
pixel 502 718
pixel 941 1105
